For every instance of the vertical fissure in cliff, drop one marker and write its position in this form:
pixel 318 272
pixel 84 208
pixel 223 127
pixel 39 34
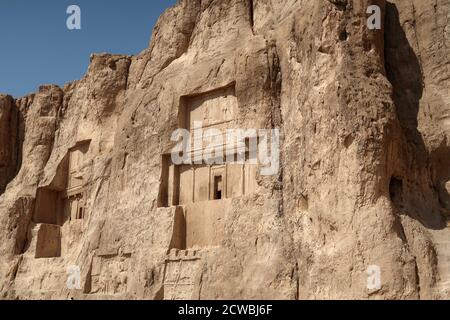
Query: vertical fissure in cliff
pixel 14 142
pixel 251 6
pixel 20 137
pixel 276 121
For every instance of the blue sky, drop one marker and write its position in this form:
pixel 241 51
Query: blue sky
pixel 37 48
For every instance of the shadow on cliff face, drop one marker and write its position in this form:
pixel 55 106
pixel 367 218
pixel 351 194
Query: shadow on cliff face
pixel 16 135
pixel 405 74
pixel 440 163
pixel 19 140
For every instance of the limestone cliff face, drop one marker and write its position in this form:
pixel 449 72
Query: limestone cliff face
pixel 364 118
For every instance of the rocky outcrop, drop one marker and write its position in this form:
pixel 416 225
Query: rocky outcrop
pixel 94 208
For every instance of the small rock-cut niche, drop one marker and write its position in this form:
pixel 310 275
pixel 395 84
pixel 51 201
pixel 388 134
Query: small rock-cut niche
pixel 218 187
pixel 185 184
pixel 63 200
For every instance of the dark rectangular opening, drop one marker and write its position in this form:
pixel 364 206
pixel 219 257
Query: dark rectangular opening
pixel 81 213
pixel 218 187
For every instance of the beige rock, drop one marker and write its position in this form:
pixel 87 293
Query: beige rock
pixel 365 160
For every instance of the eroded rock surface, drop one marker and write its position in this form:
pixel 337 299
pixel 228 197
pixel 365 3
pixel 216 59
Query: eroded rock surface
pixel 88 188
